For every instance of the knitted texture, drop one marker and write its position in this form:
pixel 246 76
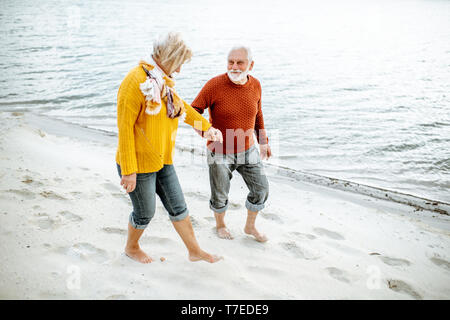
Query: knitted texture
pixel 235 110
pixel 146 142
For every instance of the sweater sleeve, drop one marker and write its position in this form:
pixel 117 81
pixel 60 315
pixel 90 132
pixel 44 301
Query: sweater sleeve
pixel 260 131
pixel 195 119
pixel 128 108
pixel 202 101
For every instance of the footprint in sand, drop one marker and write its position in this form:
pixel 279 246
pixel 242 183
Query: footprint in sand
pixel 441 263
pixel 95 195
pixel 395 262
pixel 302 252
pixel 70 216
pixel 328 233
pixel 85 251
pixel 264 270
pixel 402 287
pixel 194 221
pixel 197 195
pixel 233 206
pixel 76 194
pixel 29 180
pixel 111 187
pixel 44 221
pixel 52 195
pixel 271 216
pixel 24 194
pixel 113 230
pixel 303 236
pixel 338 274
pixel 210 219
pixel 122 197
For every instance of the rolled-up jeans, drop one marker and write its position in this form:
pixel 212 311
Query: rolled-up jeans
pixel 250 167
pixel 165 184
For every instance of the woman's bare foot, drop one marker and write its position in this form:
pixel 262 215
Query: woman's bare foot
pixel 224 233
pixel 138 255
pixel 202 255
pixel 260 237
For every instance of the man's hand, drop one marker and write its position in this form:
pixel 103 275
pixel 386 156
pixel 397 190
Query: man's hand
pixel 265 152
pixel 129 182
pixel 213 134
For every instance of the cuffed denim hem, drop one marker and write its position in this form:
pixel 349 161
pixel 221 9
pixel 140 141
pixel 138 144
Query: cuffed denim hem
pixel 136 226
pixel 254 207
pixel 180 216
pixel 221 210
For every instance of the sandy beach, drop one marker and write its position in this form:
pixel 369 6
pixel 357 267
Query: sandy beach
pixel 64 226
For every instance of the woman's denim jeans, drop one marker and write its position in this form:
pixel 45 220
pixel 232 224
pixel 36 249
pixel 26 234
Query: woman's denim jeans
pixel 164 183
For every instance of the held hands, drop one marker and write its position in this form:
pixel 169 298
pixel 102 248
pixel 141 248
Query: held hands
pixel 213 134
pixel 129 182
pixel 265 152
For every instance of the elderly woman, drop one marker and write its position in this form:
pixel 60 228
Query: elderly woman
pixel 148 112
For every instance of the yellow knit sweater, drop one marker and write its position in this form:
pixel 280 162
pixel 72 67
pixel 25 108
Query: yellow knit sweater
pixel 146 142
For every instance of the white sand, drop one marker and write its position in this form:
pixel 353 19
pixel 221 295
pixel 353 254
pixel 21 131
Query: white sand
pixel 64 219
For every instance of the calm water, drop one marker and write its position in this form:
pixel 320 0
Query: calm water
pixel 358 90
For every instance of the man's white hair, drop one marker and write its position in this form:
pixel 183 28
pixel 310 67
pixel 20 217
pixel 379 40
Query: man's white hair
pixel 241 47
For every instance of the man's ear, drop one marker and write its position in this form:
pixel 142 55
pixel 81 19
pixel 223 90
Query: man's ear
pixel 251 65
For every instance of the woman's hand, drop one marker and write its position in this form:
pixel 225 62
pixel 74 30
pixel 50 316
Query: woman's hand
pixel 213 134
pixel 129 182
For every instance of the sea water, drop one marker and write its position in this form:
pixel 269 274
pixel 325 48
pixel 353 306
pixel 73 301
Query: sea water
pixel 356 90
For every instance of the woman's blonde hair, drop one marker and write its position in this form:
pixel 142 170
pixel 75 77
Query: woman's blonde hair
pixel 171 52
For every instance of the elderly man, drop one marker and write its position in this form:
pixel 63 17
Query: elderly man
pixel 233 100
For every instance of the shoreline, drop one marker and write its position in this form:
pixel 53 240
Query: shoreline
pixel 417 202
pixel 64 219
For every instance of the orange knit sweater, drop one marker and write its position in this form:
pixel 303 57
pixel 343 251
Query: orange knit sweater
pixel 235 110
pixel 146 142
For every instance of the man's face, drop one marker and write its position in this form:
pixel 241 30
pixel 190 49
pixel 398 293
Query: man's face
pixel 238 66
pixel 238 62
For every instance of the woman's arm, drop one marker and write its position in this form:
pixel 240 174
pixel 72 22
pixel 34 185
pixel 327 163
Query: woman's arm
pixel 201 125
pixel 195 119
pixel 128 108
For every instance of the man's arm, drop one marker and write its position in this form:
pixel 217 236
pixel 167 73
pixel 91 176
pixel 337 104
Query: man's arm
pixel 261 134
pixel 202 101
pixel 260 131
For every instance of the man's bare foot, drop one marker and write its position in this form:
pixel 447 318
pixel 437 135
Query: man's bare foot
pixel 224 233
pixel 260 237
pixel 138 255
pixel 202 255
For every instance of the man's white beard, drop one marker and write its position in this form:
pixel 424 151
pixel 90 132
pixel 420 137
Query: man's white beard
pixel 238 76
